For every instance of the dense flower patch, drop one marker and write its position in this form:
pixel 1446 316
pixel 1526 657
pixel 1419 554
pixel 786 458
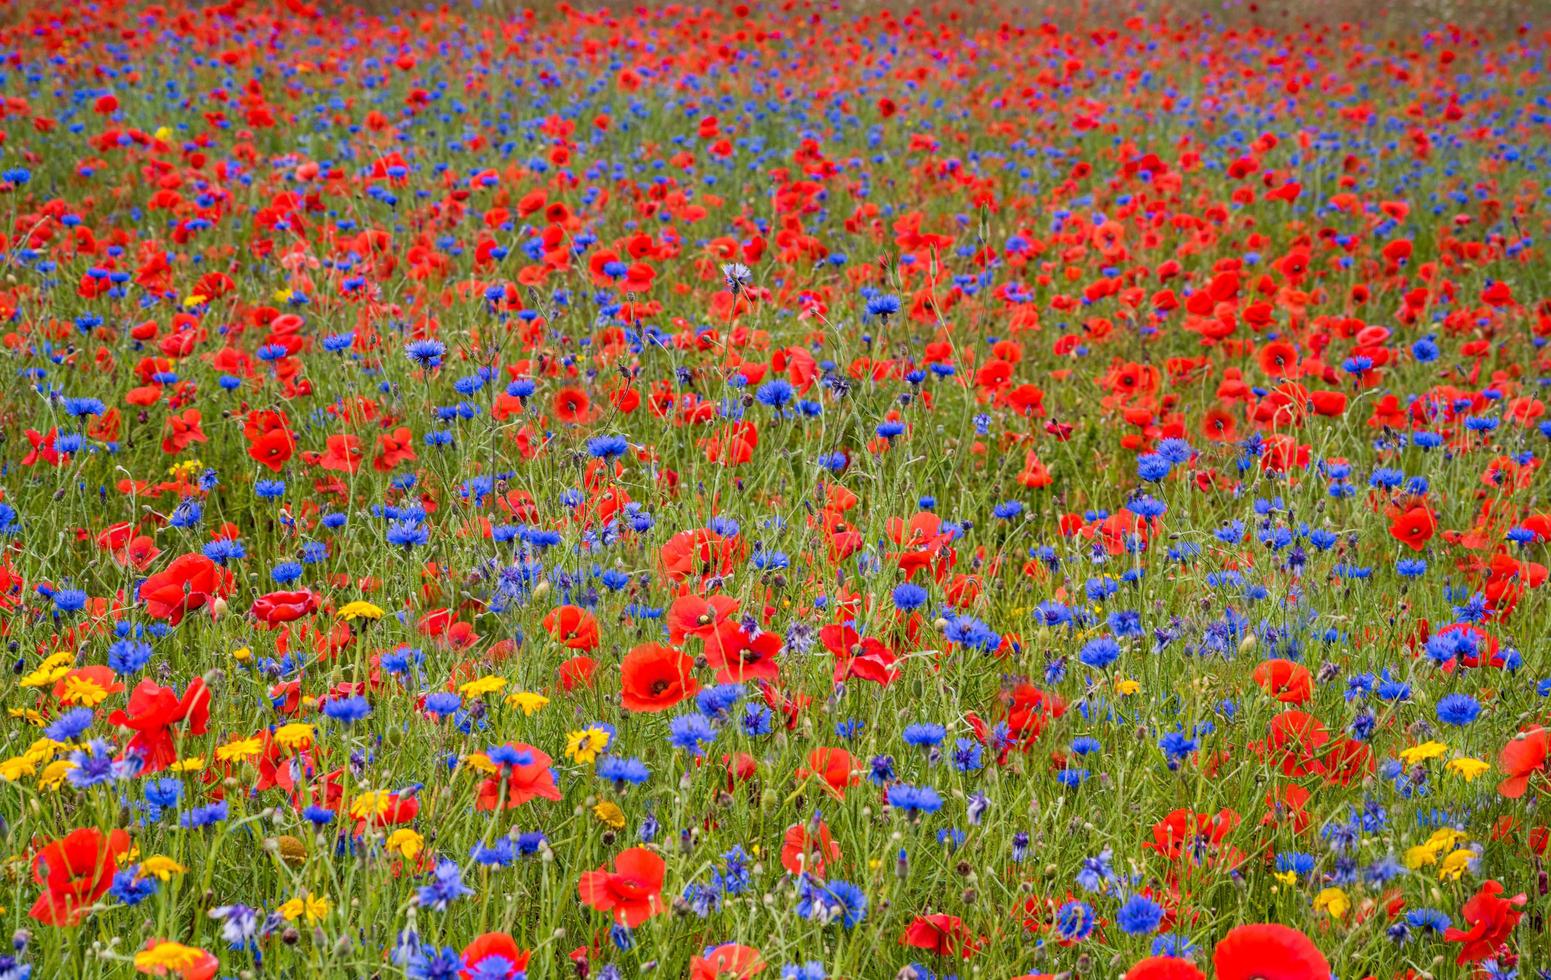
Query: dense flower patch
pixel 718 492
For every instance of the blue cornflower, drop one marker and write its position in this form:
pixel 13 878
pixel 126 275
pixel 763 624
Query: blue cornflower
pixel 1138 915
pixel 914 800
pixel 446 886
pixel 347 710
pixel 690 733
pixel 426 353
pixel 1458 709
pixel 70 726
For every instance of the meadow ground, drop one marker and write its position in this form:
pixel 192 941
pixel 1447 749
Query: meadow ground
pixel 821 492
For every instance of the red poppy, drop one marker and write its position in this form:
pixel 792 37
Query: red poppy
pixel 1491 920
pixel 482 955
pixel 698 616
pixel 186 585
pixel 834 766
pixel 1525 756
pixel 942 935
pixel 572 627
pixel 75 871
pixel 1268 952
pixel 655 677
pixel 577 672
pixel 1414 527
pixel 737 657
pixel 183 431
pixel 805 851
pixel 153 711
pixel 529 778
pixel 275 608
pixel 727 960
pixel 571 405
pixel 632 891
pixel 1284 680
pixel 1164 968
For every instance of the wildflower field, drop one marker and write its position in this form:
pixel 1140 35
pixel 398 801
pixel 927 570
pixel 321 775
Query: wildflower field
pixel 787 490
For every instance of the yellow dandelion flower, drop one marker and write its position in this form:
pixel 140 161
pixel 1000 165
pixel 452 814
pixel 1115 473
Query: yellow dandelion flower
pixel 240 750
pixel 1422 753
pixel 479 687
pixel 1127 687
pixel 242 655
pixel 1334 902
pixel 586 745
pixel 481 762
pixel 313 907
pixel 296 735
pixel 528 701
pixel 161 866
pixel 169 957
pixel 16 767
pixel 1467 769
pixel 49 671
pixel 609 814
pixel 358 609
pixel 83 691
pixel 53 775
pixel 1455 865
pixel 370 804
pixel 406 842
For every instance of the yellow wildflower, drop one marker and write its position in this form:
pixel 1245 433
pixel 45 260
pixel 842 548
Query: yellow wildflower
pixel 193 763
pixel 1467 769
pixel 1127 687
pixel 50 670
pixel 528 701
pixel 296 735
pixel 586 745
pixel 162 866
pixel 242 655
pixel 479 687
pixel 54 774
pixel 169 957
pixel 241 750
pixel 313 907
pixel 1333 901
pixel 1286 877
pixel 480 761
pixel 370 804
pixel 83 691
pixel 30 716
pixel 1422 753
pixel 1456 864
pixel 406 842
pixel 358 609
pixel 16 767
pixel 609 814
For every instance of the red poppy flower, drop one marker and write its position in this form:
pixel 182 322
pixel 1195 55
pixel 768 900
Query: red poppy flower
pixel 805 851
pixel 75 871
pixel 942 935
pixel 1268 952
pixel 571 405
pixel 632 891
pixel 572 627
pixel 186 585
pixel 1164 968
pixel 736 657
pixel 834 766
pixel 698 616
pixel 1525 756
pixel 1491 920
pixel 727 960
pixel 530 778
pixel 484 950
pixel 655 677
pixel 1284 680
pixel 1414 527
pixel 577 672
pixel 275 608
pixel 153 711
